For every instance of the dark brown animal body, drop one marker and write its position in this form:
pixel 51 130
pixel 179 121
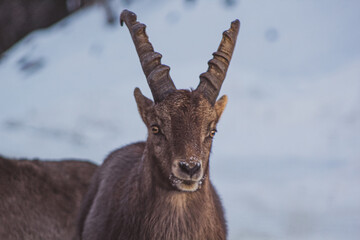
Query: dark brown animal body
pixel 160 189
pixel 41 199
pixel 128 201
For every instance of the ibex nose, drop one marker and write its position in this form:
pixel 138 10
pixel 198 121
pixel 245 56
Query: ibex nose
pixel 185 167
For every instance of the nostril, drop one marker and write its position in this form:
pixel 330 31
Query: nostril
pixel 185 167
pixel 195 169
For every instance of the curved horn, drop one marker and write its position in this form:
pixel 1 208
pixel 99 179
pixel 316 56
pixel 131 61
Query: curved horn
pixel 211 81
pixel 157 74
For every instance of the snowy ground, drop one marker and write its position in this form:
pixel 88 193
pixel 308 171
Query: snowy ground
pixel 286 159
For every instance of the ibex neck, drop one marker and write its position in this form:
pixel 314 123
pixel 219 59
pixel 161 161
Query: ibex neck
pixel 188 215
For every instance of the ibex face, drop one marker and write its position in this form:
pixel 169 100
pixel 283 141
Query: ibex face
pixel 181 123
pixel 180 133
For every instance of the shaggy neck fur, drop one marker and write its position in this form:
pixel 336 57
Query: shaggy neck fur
pixel 131 199
pixel 183 215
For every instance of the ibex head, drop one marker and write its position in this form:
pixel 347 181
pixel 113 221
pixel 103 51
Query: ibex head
pixel 181 123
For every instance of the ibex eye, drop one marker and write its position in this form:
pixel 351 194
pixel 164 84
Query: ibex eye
pixel 155 129
pixel 212 133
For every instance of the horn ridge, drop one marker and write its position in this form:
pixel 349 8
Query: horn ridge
pixel 157 74
pixel 213 78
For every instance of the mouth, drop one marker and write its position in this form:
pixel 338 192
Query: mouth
pixel 186 185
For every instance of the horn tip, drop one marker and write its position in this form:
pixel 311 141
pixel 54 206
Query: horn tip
pixel 127 16
pixel 235 24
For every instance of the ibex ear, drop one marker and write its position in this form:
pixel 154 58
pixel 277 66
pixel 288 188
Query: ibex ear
pixel 144 105
pixel 220 106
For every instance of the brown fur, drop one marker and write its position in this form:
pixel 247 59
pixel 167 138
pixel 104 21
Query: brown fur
pixel 40 199
pixel 131 195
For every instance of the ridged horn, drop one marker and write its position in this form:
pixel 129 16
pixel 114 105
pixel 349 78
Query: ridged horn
pixel 157 74
pixel 213 78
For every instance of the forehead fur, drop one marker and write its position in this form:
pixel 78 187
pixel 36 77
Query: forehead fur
pixel 183 103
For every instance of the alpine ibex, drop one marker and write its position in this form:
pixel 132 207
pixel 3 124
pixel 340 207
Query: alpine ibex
pixel 160 189
pixel 41 199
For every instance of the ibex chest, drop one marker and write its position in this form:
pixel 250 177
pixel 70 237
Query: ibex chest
pixel 179 219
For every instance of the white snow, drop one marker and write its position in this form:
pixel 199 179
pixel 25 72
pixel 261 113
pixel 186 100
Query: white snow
pixel 286 158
